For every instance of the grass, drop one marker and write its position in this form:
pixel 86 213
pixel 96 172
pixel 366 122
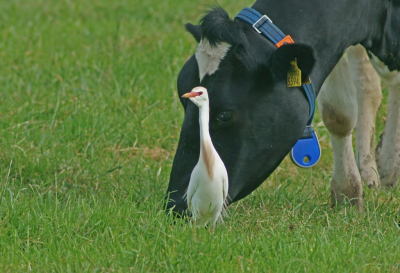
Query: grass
pixel 89 122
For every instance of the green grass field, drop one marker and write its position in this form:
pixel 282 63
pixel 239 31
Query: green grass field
pixel 89 122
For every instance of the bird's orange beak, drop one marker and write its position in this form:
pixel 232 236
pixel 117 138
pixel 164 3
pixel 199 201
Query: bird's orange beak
pixel 192 94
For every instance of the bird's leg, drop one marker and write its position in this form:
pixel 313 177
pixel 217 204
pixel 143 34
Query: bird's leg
pixel 194 228
pixel 212 229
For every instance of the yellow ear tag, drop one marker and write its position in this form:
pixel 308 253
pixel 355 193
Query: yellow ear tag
pixel 294 75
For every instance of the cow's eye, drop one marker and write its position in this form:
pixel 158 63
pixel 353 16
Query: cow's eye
pixel 224 117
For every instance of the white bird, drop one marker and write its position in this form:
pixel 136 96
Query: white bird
pixel 208 185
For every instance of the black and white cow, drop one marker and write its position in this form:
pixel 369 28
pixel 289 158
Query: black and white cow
pixel 255 119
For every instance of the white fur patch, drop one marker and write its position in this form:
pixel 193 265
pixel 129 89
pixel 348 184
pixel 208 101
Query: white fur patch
pixel 208 57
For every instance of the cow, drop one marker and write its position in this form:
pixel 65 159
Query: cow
pixel 255 119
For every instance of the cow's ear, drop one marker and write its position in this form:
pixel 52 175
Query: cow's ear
pixel 281 58
pixel 195 30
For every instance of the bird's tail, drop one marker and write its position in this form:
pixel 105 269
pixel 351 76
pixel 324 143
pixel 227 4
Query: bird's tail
pixel 224 212
pixel 185 194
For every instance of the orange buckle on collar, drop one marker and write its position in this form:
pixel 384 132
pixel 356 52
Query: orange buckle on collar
pixel 286 40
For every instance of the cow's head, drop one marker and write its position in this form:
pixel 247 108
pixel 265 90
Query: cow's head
pixel 255 119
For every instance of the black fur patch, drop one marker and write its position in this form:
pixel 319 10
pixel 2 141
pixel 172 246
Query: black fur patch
pixel 216 27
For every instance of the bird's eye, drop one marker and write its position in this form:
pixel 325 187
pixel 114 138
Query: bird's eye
pixel 224 117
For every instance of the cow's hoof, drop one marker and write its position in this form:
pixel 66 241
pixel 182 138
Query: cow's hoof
pixel 351 194
pixel 388 163
pixel 389 184
pixel 389 179
pixel 369 172
pixel 370 176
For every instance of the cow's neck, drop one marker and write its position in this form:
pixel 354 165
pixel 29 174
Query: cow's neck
pixel 387 49
pixel 328 26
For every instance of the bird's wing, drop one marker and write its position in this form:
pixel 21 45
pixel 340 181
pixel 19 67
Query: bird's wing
pixel 225 187
pixel 193 184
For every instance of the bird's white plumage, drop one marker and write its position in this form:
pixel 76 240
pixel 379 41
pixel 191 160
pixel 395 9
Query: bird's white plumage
pixel 208 186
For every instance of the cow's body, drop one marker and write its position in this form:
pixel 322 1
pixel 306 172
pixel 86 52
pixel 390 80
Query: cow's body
pixel 244 73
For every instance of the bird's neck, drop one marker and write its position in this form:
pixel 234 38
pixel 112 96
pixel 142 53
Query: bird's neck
pixel 204 117
pixel 207 151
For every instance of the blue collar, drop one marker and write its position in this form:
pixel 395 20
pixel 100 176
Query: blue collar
pixel 307 147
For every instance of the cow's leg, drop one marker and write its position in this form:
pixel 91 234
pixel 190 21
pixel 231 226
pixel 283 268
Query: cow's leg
pixel 369 97
pixel 388 150
pixel 338 106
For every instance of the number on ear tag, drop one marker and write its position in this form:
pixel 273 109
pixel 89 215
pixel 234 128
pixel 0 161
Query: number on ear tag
pixel 294 75
pixel 306 152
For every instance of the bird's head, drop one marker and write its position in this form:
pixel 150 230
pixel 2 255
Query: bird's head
pixel 198 96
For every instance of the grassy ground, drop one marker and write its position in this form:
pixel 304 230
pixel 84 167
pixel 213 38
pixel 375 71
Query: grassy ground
pixel 89 122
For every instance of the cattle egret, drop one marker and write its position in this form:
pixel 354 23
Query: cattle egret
pixel 208 185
